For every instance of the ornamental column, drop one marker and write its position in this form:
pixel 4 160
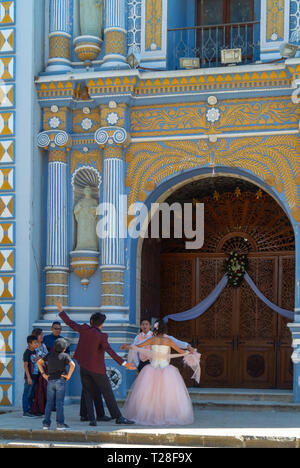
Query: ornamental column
pixel 57 143
pixel 59 36
pixel 113 140
pixel 115 35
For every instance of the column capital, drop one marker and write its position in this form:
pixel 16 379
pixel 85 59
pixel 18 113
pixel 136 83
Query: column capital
pixel 107 137
pixel 54 140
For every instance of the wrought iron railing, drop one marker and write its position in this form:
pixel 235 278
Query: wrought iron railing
pixel 206 43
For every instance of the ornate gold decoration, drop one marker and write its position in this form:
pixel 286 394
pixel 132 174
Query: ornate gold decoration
pixel 153 23
pixel 120 110
pixel 57 156
pixel 259 194
pixel 79 116
pixel 236 115
pixel 216 195
pixel 59 46
pixel 237 192
pixel 115 42
pixel 273 159
pixel 85 266
pixel 112 276
pixel 112 288
pixel 61 115
pixel 56 288
pixel 93 157
pixel 113 152
pixel 56 278
pixel 275 19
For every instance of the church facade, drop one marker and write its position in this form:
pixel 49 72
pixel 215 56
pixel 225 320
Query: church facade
pixel 127 103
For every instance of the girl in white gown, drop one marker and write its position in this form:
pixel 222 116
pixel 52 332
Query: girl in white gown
pixel 159 395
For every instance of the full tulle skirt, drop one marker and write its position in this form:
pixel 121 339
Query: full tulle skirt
pixel 159 397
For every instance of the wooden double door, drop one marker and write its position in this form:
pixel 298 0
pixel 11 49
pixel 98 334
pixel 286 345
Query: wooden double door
pixel 243 343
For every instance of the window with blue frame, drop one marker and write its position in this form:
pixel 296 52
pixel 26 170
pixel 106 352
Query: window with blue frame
pixel 217 25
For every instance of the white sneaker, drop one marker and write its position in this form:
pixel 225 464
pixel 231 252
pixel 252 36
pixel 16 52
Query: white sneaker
pixel 62 427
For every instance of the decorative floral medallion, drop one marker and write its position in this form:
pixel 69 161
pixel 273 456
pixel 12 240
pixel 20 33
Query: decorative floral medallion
pixel 112 118
pixel 54 122
pixel 235 266
pixel 213 115
pixel 86 124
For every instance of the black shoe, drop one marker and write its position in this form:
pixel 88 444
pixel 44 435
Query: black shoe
pixel 104 418
pixel 29 415
pixel 93 423
pixel 84 419
pixel 122 420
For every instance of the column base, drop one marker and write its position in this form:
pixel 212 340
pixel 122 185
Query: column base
pixel 114 62
pixel 58 65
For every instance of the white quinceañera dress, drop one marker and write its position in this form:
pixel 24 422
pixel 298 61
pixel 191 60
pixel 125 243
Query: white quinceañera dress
pixel 159 395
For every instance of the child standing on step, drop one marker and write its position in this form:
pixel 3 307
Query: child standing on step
pixel 57 378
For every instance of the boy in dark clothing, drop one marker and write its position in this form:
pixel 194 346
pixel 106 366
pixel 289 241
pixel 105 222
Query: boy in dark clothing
pixel 31 375
pixel 57 377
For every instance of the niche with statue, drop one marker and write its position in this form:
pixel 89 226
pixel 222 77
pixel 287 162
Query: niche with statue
pixel 85 253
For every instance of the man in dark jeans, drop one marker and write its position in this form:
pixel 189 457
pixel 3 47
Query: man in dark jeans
pixel 89 353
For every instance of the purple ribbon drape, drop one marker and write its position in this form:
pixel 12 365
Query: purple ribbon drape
pixel 202 307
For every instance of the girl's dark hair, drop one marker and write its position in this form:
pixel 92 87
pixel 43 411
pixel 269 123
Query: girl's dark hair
pixel 60 345
pixel 37 332
pixel 161 329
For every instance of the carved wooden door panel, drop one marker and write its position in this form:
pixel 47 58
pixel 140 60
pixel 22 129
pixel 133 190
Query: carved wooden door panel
pixel 257 326
pixel 286 300
pixel 177 295
pixel 213 332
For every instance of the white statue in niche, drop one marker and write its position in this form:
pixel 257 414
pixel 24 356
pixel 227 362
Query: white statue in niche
pixel 85 213
pixel 91 17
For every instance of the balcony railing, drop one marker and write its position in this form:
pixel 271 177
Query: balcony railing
pixel 206 43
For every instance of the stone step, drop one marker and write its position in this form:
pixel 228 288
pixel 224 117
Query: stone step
pixel 246 405
pixel 240 395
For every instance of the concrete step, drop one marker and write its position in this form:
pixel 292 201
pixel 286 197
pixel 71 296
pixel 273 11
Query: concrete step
pixel 113 440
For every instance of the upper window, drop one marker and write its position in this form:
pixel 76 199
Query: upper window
pixel 213 12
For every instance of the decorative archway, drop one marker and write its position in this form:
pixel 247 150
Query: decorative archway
pixel 247 336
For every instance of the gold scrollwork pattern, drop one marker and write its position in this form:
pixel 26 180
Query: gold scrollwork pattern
pixel 274 159
pixel 235 115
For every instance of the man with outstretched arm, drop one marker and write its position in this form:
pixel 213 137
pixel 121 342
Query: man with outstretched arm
pixel 91 347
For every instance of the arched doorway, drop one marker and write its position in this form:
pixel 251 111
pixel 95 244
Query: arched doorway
pixel 243 343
